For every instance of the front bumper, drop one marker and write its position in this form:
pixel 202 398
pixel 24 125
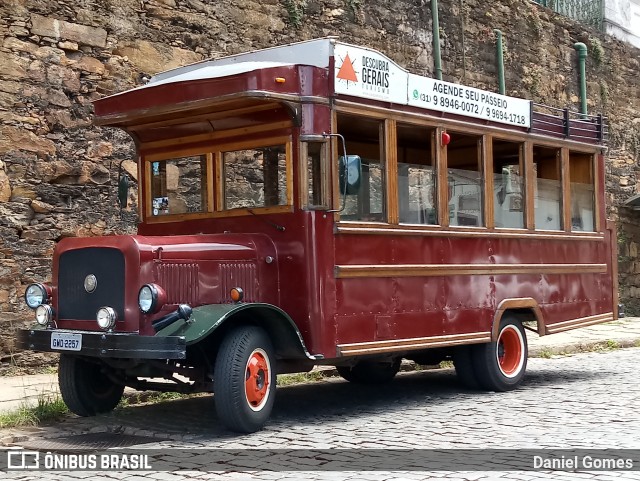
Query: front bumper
pixel 104 344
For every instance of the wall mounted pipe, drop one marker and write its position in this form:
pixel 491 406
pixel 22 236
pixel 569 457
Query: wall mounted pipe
pixel 437 60
pixel 582 59
pixel 500 57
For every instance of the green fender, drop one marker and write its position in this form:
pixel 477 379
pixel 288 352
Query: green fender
pixel 286 336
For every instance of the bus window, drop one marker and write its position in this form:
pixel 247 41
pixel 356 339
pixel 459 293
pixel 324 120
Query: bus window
pixel 582 191
pixel 179 186
pixel 464 164
pixel 365 138
pixel 416 175
pixel 508 184
pixel 548 188
pixel 255 177
pixel 315 153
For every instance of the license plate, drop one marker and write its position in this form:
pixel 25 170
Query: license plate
pixel 65 341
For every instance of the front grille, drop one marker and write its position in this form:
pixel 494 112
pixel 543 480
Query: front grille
pixel 180 281
pixel 239 274
pixel 107 264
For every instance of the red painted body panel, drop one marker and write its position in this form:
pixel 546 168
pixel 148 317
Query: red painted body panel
pixel 301 280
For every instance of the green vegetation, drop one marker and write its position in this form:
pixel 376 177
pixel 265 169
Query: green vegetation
pixel 300 378
pixel 295 9
pixel 545 353
pixel 355 5
pixel 149 397
pixel 446 364
pixel 597 51
pixel 47 409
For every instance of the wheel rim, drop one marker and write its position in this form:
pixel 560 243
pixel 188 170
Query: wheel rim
pixel 257 379
pixel 510 352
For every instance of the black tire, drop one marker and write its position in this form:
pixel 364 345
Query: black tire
pixel 85 388
pixel 463 362
pixel 370 371
pixel 244 393
pixel 501 365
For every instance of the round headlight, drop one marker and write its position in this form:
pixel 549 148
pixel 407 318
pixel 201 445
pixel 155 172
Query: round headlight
pixel 35 295
pixel 44 314
pixel 106 318
pixel 151 298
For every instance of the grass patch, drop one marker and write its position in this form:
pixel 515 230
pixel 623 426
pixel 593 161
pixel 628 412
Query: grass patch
pixel 545 354
pixel 300 378
pixel 611 344
pixel 445 365
pixel 149 397
pixel 47 409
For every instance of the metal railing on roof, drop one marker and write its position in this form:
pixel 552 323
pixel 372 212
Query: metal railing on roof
pixel 588 12
pixel 564 123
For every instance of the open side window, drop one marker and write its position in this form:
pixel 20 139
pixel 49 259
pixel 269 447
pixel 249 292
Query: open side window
pixel 417 187
pixel 548 188
pixel 178 186
pixel 364 139
pixel 465 180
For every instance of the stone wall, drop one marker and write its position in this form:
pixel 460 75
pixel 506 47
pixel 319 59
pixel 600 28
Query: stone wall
pixel 58 173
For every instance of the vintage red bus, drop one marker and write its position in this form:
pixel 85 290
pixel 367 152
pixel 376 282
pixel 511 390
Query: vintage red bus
pixel 317 204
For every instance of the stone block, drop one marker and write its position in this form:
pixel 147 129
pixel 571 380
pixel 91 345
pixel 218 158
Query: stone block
pixel 41 207
pixel 62 30
pixel 13 138
pixel 49 171
pixel 13 66
pixel 92 173
pixel 63 77
pixel 22 192
pixel 173 177
pixel 14 44
pixel 131 168
pixel 72 46
pixel 5 187
pixel 15 215
pixel 99 149
pixel 152 58
pixel 91 65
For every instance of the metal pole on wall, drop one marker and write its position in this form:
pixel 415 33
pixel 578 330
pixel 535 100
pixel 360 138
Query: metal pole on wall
pixel 582 60
pixel 500 55
pixel 437 61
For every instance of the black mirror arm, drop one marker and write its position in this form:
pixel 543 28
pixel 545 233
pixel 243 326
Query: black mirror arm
pixel 344 150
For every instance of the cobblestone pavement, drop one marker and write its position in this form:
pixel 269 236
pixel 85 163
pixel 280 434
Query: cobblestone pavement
pixel 585 400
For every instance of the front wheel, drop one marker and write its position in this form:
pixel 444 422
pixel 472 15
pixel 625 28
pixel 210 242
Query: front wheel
pixel 85 387
pixel 501 365
pixel 244 379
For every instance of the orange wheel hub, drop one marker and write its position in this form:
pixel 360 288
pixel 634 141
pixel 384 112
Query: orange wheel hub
pixel 510 351
pixel 257 379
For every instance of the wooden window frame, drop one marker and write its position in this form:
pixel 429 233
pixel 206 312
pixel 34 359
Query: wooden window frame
pixel 220 149
pixel 148 160
pixel 215 179
pixel 303 190
pixel 485 152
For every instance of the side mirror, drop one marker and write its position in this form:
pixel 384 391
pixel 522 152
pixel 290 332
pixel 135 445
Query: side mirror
pixel 350 174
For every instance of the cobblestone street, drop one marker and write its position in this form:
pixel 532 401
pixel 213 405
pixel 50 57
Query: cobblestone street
pixel 582 401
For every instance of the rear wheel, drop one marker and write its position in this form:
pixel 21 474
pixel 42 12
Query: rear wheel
pixel 244 379
pixel 501 365
pixel 370 371
pixel 85 387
